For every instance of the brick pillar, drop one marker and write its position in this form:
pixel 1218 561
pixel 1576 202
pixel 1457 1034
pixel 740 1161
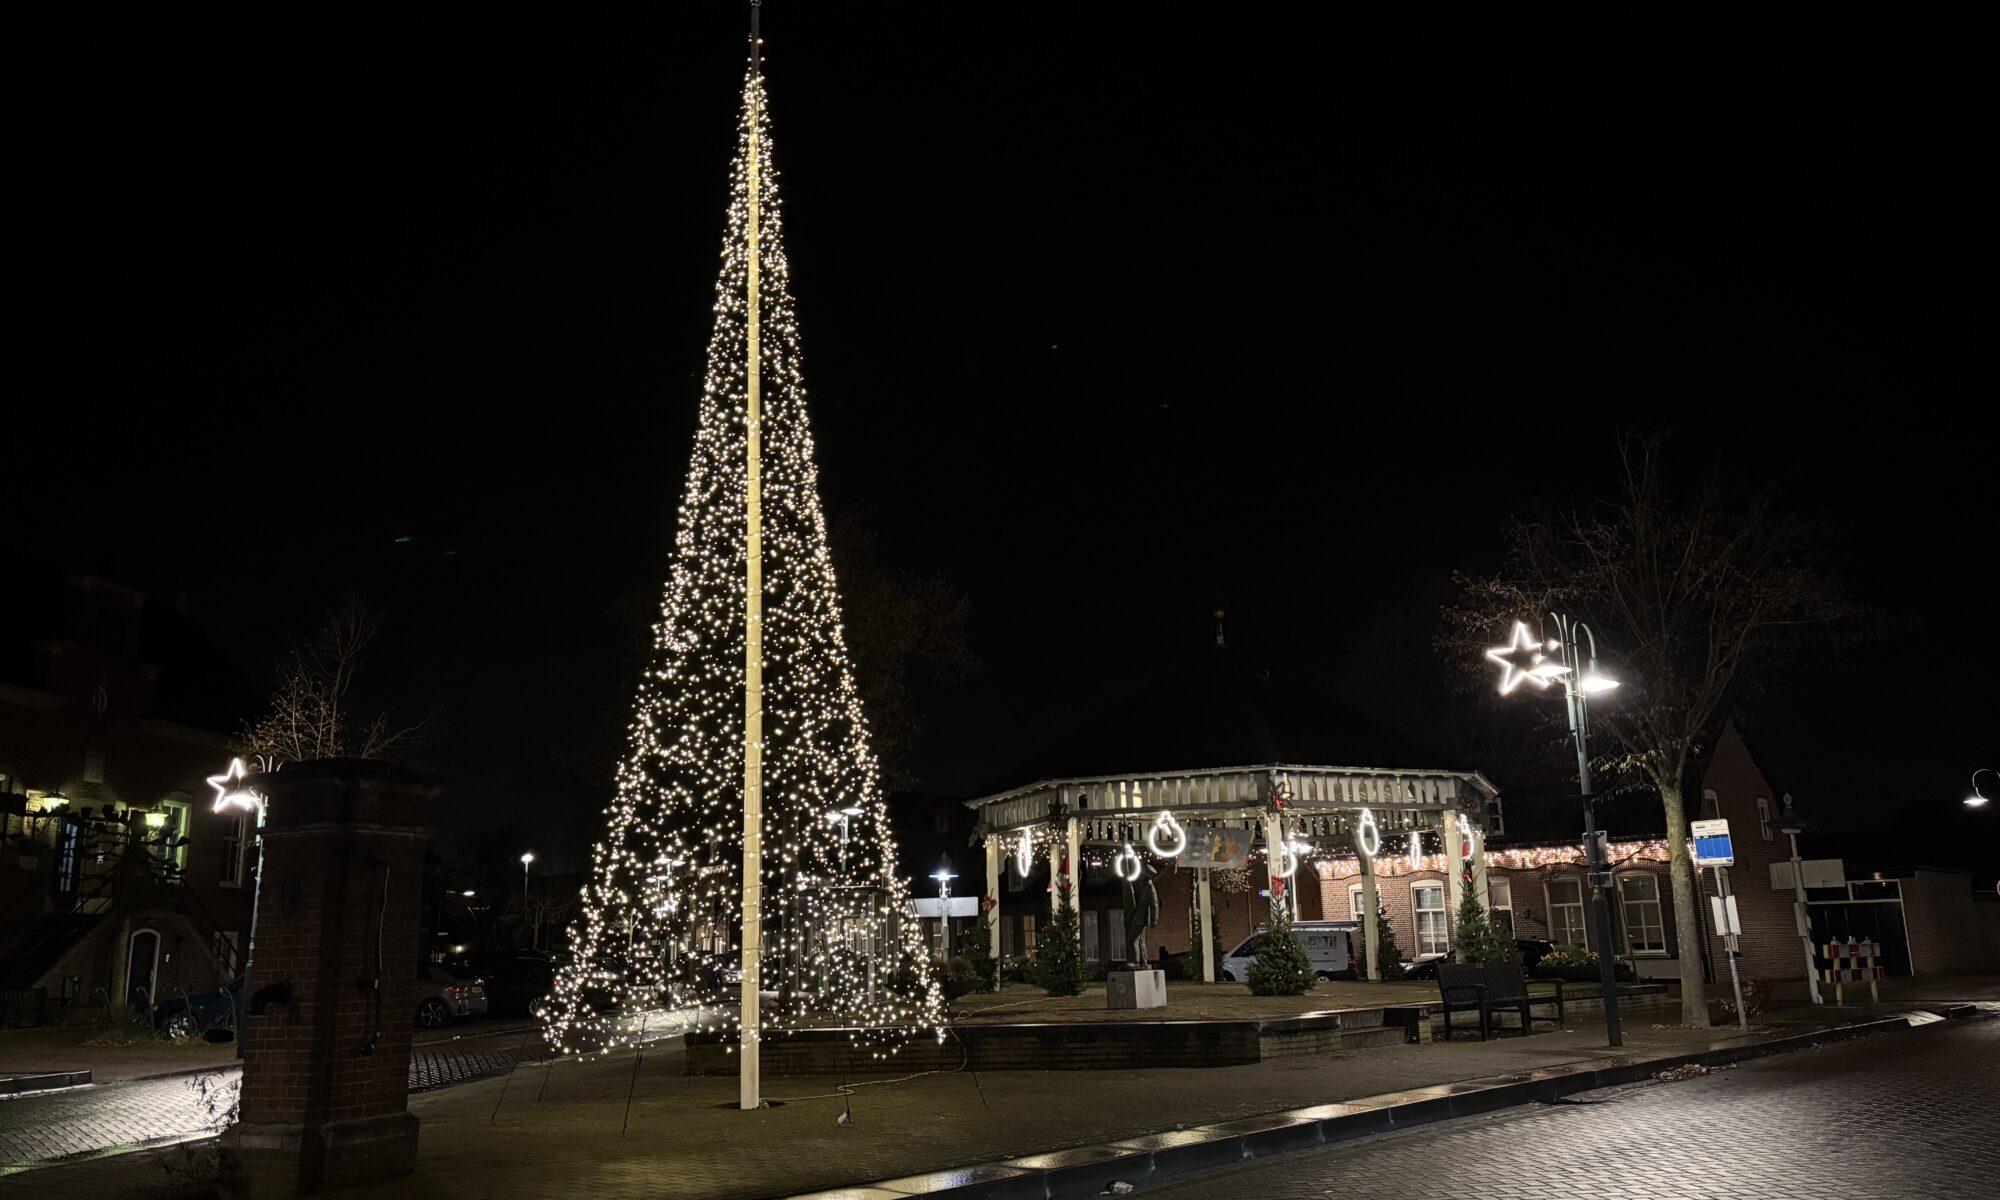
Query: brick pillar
pixel 326 1065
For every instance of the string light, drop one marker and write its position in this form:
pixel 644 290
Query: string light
pixel 663 909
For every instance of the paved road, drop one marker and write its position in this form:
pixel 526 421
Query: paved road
pixel 1901 1114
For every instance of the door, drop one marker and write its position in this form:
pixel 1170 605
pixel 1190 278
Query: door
pixel 142 969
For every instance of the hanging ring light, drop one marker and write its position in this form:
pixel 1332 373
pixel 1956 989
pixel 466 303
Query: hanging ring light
pixel 1024 854
pixel 1416 849
pixel 1126 864
pixel 1175 837
pixel 1369 837
pixel 1288 859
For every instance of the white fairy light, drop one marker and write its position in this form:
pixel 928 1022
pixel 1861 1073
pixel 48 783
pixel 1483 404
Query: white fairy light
pixel 1165 826
pixel 1124 859
pixel 1024 854
pixel 834 933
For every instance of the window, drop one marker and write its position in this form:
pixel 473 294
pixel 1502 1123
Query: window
pixel 1764 817
pixel 226 946
pixel 1639 902
pixel 93 766
pixel 1496 818
pixel 1710 805
pixel 1500 893
pixel 1566 912
pixel 235 830
pixel 1431 937
pixel 1354 908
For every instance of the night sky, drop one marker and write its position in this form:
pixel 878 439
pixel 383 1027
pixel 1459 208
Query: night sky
pixel 1102 321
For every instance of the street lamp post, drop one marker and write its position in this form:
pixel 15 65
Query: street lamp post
pixel 944 876
pixel 1979 799
pixel 1529 660
pixel 448 892
pixel 842 816
pixel 526 859
pixel 233 793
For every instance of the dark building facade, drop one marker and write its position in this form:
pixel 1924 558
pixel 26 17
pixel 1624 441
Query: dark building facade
pixel 118 882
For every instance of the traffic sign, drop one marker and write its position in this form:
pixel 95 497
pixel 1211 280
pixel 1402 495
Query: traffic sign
pixel 1712 847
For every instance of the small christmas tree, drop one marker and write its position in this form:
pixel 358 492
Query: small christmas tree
pixel 1386 948
pixel 1059 954
pixel 1281 967
pixel 1478 940
pixel 979 955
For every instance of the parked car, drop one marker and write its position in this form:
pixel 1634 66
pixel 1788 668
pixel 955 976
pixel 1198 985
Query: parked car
pixel 211 1012
pixel 515 979
pixel 1532 951
pixel 446 994
pixel 1329 944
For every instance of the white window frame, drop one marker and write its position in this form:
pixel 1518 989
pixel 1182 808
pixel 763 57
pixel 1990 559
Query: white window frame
pixel 1441 941
pixel 1764 817
pixel 1555 926
pixel 1659 921
pixel 1354 894
pixel 1495 890
pixel 235 832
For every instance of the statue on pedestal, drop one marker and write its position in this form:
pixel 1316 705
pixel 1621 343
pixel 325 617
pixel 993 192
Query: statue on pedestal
pixel 1142 909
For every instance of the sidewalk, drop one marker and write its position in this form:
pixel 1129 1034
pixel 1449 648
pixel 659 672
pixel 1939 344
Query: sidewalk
pixel 521 1136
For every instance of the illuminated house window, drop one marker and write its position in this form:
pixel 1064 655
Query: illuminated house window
pixel 1429 900
pixel 1639 902
pixel 1354 908
pixel 235 840
pixel 1501 908
pixel 1566 912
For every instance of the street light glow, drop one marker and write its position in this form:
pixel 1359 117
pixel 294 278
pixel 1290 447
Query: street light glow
pixel 527 858
pixel 1978 798
pixel 1596 681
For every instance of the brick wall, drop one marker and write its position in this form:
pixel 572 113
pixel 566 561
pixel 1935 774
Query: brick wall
pixel 1769 947
pixel 326 1075
pixel 1947 933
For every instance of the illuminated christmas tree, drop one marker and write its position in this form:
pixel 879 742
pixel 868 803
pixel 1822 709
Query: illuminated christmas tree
pixel 663 922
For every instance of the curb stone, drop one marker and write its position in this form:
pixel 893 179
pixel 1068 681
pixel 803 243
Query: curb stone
pixel 46 1081
pixel 1085 1170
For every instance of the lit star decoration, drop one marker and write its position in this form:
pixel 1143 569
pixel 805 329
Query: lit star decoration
pixel 230 790
pixel 662 915
pixel 1524 658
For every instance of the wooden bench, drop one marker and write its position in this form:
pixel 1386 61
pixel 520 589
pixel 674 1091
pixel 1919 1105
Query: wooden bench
pixel 23 1007
pixel 1487 988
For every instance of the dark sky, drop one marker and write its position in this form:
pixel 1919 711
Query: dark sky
pixel 1101 319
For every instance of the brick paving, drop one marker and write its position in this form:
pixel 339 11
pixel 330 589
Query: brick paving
pixel 1909 1116
pixel 519 1133
pixel 57 1125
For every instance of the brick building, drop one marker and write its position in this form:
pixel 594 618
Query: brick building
pixel 116 875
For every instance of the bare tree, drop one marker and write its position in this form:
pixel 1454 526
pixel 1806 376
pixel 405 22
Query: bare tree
pixel 310 716
pixel 1690 592
pixel 545 906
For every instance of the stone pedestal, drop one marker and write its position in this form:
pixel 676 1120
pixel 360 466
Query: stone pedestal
pixel 1135 989
pixel 328 1022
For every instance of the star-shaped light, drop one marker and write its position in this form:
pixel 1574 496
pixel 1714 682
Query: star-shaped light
pixel 1524 658
pixel 230 791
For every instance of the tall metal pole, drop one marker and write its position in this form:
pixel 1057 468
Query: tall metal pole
pixel 1729 948
pixel 1803 922
pixel 1600 867
pixel 750 1086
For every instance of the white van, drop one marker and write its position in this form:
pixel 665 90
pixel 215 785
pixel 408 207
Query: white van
pixel 1329 944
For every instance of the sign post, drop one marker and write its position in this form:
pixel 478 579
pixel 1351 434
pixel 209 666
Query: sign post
pixel 1712 848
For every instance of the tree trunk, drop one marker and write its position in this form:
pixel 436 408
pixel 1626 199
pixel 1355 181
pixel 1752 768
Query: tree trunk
pixel 1687 920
